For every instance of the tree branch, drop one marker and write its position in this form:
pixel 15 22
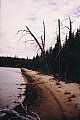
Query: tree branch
pixel 35 39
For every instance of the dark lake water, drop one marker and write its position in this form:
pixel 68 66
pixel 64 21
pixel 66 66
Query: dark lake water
pixel 11 90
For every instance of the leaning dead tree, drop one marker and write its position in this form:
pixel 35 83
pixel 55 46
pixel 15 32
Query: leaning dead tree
pixel 40 44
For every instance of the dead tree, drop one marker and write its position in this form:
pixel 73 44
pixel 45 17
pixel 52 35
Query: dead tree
pixel 59 34
pixel 68 43
pixel 59 40
pixel 58 46
pixel 70 33
pixel 70 29
pixel 41 44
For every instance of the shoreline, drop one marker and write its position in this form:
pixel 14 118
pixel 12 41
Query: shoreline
pixel 63 100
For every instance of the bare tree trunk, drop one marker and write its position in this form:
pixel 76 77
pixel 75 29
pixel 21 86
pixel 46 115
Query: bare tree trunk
pixel 59 40
pixel 70 29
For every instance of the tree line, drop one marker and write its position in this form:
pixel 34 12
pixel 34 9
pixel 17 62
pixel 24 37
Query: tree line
pixel 15 62
pixel 63 61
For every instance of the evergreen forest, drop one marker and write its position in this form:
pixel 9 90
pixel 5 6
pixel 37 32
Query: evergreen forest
pixel 62 61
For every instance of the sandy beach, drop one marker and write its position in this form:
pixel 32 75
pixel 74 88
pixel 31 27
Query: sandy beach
pixel 57 100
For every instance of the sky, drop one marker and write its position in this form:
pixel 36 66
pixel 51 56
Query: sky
pixel 15 14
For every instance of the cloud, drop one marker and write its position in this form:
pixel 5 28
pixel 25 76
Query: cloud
pixel 76 11
pixel 15 14
pixel 32 18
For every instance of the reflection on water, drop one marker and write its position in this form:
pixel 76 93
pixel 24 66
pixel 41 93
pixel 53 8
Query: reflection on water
pixel 11 90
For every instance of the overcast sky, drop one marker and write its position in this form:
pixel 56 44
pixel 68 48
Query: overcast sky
pixel 15 14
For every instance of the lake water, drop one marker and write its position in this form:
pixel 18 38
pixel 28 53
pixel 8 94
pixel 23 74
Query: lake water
pixel 11 90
